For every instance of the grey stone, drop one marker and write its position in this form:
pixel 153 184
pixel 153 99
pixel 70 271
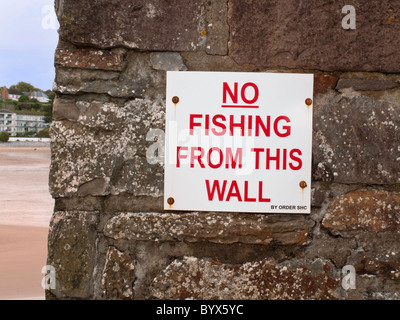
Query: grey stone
pixel 204 279
pixel 355 140
pixel 309 35
pixel 111 203
pixel 167 61
pixel 65 109
pixel 336 250
pixel 367 84
pixel 94 187
pixel 224 228
pixel 72 251
pixel 137 80
pixel 392 96
pixel 108 142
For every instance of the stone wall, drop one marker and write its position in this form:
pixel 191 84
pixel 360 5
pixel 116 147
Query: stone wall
pixel 109 235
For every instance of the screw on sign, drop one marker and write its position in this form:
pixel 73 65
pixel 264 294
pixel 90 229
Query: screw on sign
pixel 175 100
pixel 303 184
pixel 170 201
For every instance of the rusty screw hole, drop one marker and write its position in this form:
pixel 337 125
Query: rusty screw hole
pixel 303 184
pixel 308 101
pixel 175 100
pixel 170 201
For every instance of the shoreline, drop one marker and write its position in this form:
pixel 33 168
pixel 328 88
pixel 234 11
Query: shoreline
pixel 24 144
pixel 26 207
pixel 23 253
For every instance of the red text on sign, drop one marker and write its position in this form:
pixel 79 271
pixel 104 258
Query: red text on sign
pixel 249 125
pixel 234 95
pixel 221 192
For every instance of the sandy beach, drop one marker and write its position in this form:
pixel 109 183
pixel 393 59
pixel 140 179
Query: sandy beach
pixel 25 211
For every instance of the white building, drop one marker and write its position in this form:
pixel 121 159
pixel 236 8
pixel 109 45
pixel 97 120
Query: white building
pixel 39 96
pixel 14 95
pixel 19 123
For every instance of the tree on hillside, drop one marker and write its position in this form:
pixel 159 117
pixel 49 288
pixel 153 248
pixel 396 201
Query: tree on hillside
pixel 23 87
pixel 23 98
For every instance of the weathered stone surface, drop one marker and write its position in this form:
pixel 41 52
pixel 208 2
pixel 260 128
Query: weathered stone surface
pixel 111 203
pixel 390 96
pixel 336 250
pixel 107 144
pixel 145 24
pixel 355 140
pixel 201 61
pixel 309 35
pixel 118 275
pixel 214 227
pixel 89 59
pixel 369 210
pixel 167 61
pixel 323 82
pixel 378 255
pixel 65 109
pixel 367 84
pixel 95 187
pixel 377 265
pixel 217 28
pixel 205 279
pixel 72 250
pixel 138 80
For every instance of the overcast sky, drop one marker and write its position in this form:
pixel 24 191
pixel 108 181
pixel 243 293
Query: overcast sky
pixel 28 38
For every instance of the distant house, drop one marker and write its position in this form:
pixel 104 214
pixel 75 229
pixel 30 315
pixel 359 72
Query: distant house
pixel 20 122
pixel 15 95
pixel 38 95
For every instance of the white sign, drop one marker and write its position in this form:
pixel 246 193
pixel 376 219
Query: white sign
pixel 238 142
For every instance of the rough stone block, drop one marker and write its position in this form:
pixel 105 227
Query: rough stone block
pixel 355 140
pixel 72 251
pixel 104 151
pixel 118 275
pixel 323 82
pixel 309 35
pixel 167 61
pixel 336 250
pixel 196 278
pixel 224 228
pixel 89 59
pixel 367 84
pixel 368 210
pixel 380 255
pixel 138 79
pixel 65 109
pixel 144 24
